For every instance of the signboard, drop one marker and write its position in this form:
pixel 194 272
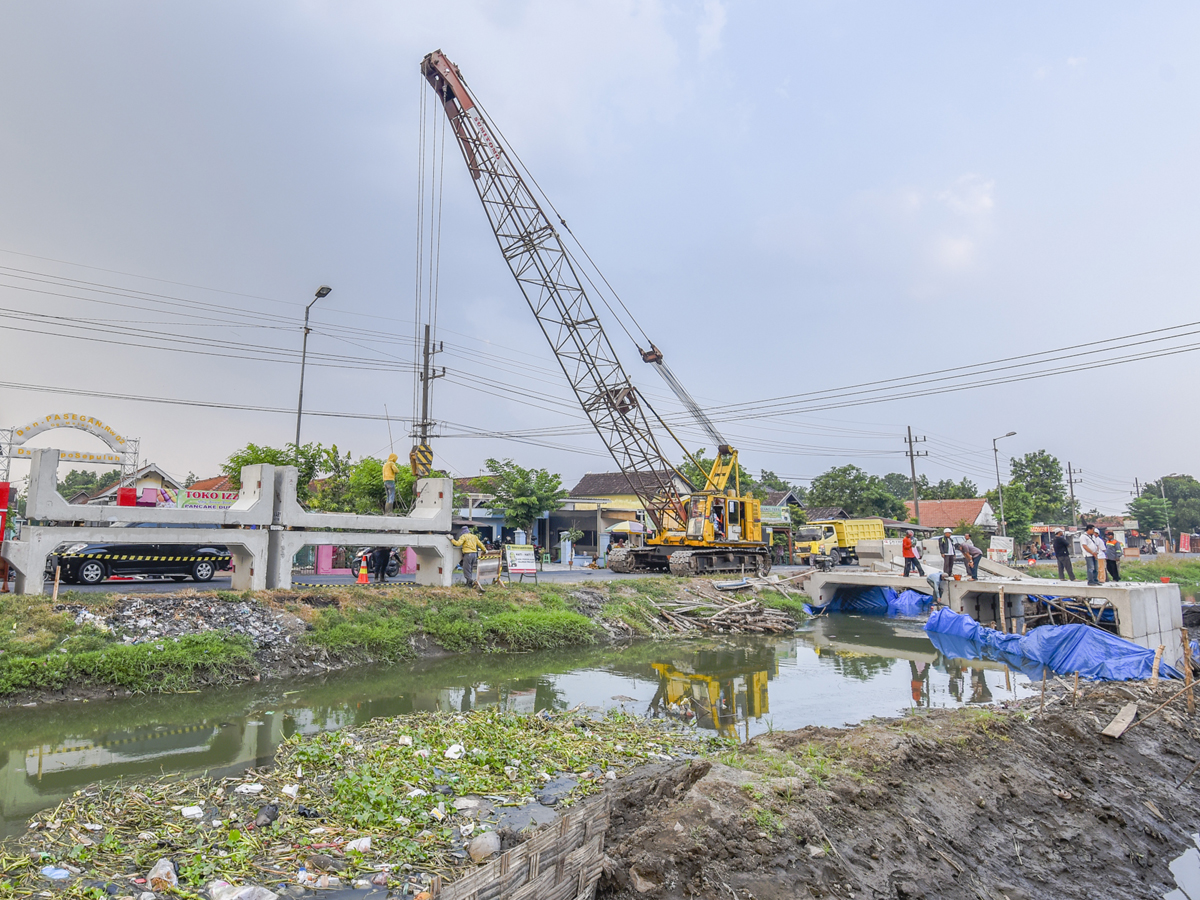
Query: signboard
pixel 521 559
pixel 4 492
pixel 1185 543
pixel 75 456
pixel 189 499
pixel 776 515
pixel 1000 549
pixel 70 420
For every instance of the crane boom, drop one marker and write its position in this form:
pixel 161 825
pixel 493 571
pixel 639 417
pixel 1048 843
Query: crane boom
pixel 546 275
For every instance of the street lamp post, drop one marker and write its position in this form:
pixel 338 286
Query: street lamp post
pixel 1000 487
pixel 322 291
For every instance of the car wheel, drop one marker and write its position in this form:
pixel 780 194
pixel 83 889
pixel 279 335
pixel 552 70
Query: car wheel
pixel 91 572
pixel 203 570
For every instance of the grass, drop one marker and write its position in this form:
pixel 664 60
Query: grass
pixel 1184 572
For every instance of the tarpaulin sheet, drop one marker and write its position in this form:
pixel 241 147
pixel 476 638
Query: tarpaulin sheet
pixel 953 646
pixel 880 601
pixel 1061 648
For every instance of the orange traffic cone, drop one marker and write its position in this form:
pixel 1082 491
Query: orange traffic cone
pixel 362 571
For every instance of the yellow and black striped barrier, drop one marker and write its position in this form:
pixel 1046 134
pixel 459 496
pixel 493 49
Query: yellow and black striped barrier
pixel 212 557
pixel 120 741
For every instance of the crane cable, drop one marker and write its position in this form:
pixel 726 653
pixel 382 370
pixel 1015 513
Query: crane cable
pixel 648 356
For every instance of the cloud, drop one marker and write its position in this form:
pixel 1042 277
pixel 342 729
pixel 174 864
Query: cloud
pixel 710 27
pixel 970 195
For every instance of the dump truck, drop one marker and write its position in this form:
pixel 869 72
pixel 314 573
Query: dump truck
pixel 836 538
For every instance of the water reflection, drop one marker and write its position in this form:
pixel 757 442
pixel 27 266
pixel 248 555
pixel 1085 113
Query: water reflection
pixel 838 670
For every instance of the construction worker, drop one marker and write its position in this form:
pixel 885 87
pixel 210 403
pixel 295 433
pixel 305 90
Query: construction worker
pixel 912 558
pixel 946 548
pixel 471 547
pixel 389 483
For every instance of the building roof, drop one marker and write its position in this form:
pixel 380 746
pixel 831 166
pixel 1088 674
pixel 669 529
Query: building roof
pixel 111 490
pixel 607 484
pixel 476 484
pixel 782 498
pixel 821 513
pixel 948 513
pixel 219 483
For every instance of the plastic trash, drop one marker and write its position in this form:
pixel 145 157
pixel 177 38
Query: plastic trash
pixel 404 741
pixel 292 790
pixel 454 751
pixel 362 845
pixel 192 812
pixel 249 789
pixel 487 844
pixel 416 792
pixel 423 752
pixel 163 876
pixel 92 826
pixel 54 873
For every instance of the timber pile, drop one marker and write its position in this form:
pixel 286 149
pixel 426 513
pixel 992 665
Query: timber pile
pixel 704 608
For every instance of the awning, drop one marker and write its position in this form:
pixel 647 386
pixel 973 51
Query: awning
pixel 627 528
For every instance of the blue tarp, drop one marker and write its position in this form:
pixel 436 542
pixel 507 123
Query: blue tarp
pixel 1061 648
pixel 879 601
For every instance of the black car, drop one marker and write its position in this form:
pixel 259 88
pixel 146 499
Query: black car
pixel 92 563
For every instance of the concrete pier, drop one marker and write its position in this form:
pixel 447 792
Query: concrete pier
pixel 1147 613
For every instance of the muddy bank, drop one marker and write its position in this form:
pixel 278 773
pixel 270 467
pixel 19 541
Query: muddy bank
pixel 93 646
pixel 974 803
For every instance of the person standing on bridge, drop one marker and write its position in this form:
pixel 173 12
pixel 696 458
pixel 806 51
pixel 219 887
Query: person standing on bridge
pixel 946 548
pixel 471 547
pixel 911 560
pixel 1093 553
pixel 1112 553
pixel 1062 554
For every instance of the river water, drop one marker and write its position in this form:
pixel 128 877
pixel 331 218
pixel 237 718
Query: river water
pixel 834 671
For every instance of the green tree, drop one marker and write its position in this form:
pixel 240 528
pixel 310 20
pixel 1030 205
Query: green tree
pixel 900 486
pixel 769 481
pixel 524 494
pixel 856 492
pixel 78 480
pixel 309 460
pixel 1018 510
pixel 1183 499
pixel 949 490
pixel 1041 475
pixel 190 480
pixel 1151 512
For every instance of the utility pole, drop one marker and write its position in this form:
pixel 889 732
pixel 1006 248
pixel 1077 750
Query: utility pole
pixel 421 456
pixel 912 455
pixel 1167 511
pixel 999 486
pixel 322 291
pixel 1071 482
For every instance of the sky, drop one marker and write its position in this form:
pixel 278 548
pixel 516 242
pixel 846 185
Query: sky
pixel 792 198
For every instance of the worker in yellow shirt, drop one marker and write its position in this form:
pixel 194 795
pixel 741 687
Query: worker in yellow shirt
pixel 389 483
pixel 471 547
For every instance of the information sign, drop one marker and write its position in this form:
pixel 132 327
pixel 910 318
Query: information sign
pixel 521 559
pixel 207 499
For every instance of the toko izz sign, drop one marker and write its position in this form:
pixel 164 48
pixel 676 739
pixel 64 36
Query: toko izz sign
pixel 207 499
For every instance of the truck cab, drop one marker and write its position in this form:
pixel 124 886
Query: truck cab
pixel 723 518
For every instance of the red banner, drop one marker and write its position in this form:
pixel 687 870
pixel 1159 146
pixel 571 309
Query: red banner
pixel 4 491
pixel 1185 543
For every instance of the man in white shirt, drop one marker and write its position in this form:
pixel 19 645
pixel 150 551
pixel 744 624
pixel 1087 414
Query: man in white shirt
pixel 1093 552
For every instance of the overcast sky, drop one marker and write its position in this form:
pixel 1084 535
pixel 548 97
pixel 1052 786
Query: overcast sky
pixel 791 197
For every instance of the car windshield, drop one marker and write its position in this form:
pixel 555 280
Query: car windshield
pixel 808 534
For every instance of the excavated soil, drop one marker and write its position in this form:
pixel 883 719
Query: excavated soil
pixel 973 803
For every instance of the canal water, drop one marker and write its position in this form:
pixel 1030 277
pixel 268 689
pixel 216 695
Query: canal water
pixel 834 671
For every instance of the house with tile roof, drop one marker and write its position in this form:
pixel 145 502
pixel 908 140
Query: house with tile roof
pixel 949 513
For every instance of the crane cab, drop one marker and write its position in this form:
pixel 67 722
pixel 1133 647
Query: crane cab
pixel 723 518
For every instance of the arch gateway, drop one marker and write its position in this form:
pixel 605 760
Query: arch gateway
pixel 123 451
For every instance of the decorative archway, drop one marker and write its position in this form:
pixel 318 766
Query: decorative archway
pixel 124 451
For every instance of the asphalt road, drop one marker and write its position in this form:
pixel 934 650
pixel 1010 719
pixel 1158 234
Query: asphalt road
pixel 222 582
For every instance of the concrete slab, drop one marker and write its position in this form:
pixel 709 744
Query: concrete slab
pixel 436 556
pixel 254 506
pixel 433 511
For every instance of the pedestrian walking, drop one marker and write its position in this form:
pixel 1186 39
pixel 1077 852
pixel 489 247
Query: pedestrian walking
pixel 946 548
pixel 1112 553
pixel 912 559
pixel 471 547
pixel 1093 552
pixel 1062 554
pixel 389 484
pixel 971 555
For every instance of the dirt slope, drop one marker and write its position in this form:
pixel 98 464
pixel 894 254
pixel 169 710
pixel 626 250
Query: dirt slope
pixel 970 803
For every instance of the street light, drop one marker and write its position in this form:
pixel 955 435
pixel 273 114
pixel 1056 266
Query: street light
pixel 322 291
pixel 999 487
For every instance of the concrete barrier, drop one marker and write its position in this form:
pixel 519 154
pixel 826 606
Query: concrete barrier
pixel 248 547
pixel 436 556
pixel 255 504
pixel 432 512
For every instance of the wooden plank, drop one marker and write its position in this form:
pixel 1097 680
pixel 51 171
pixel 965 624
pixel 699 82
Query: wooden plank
pixel 1158 655
pixel 1124 719
pixel 1187 672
